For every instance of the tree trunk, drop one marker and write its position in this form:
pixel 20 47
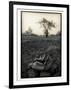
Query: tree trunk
pixel 46 33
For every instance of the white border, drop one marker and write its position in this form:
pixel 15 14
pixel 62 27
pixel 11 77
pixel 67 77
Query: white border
pixel 17 46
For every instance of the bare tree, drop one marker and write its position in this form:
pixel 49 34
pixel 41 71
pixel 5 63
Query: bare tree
pixel 47 25
pixel 29 31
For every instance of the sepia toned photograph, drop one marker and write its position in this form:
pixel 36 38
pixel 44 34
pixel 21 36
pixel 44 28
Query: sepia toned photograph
pixel 38 44
pixel 41 44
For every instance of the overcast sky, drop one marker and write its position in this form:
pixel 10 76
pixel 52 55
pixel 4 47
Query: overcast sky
pixel 30 19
